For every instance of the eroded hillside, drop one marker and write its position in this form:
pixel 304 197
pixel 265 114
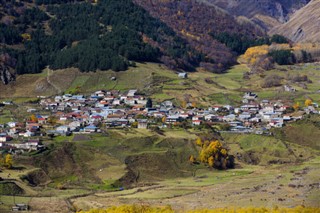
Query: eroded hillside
pixel 304 25
pixel 265 13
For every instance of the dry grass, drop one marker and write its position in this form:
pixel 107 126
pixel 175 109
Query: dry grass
pixel 265 187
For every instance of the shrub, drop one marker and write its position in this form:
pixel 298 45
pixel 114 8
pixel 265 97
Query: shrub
pixel 271 81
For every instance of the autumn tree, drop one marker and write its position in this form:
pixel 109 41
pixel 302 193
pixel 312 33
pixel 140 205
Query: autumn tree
pixel 8 161
pixel 215 155
pixel 296 106
pixel 253 53
pixel 308 102
pixel 199 142
pixel 192 159
pixel 168 209
pixel 211 161
pixel 33 118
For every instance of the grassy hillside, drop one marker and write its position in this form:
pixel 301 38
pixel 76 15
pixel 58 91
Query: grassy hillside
pixel 279 168
pixel 160 83
pixel 89 169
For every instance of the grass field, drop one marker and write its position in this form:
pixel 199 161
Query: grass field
pixel 204 88
pixel 274 180
pixel 5 116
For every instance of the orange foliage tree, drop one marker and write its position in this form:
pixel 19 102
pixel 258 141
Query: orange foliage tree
pixel 192 159
pixel 33 118
pixel 296 106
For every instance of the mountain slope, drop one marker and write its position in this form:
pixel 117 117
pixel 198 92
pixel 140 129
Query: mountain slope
pixel 304 25
pixel 115 33
pixel 194 21
pixel 265 13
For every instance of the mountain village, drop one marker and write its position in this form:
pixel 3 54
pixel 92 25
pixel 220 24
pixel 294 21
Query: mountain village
pixel 77 114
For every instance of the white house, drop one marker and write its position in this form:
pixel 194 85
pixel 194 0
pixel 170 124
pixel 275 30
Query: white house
pixel 11 124
pixel 183 75
pixel 229 118
pixel 132 93
pixel 63 128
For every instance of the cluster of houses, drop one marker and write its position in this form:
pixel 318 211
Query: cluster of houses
pixel 81 114
pixel 25 145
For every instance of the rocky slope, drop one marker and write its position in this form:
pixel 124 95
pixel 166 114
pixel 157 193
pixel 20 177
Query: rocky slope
pixel 304 25
pixel 265 13
pixel 6 64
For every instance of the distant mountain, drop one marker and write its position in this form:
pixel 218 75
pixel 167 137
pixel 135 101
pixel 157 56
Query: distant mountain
pixel 304 25
pixel 265 13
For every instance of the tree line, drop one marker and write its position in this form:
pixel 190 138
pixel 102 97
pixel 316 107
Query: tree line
pixel 239 43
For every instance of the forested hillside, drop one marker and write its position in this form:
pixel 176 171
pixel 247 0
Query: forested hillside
pixel 114 34
pixel 196 22
pixel 107 35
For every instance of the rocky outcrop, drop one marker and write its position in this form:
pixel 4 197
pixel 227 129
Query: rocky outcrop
pixel 6 75
pixel 265 13
pixel 303 26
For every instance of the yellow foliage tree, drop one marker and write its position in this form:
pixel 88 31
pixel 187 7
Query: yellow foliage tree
pixel 308 102
pixel 132 209
pixel 253 53
pixel 33 118
pixel 8 161
pixel 199 142
pixel 211 161
pixel 168 209
pixel 296 106
pixel 212 152
pixel 26 36
pixel 224 152
pixel 164 119
pixel 192 159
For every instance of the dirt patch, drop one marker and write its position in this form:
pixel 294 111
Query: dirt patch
pixel 48 205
